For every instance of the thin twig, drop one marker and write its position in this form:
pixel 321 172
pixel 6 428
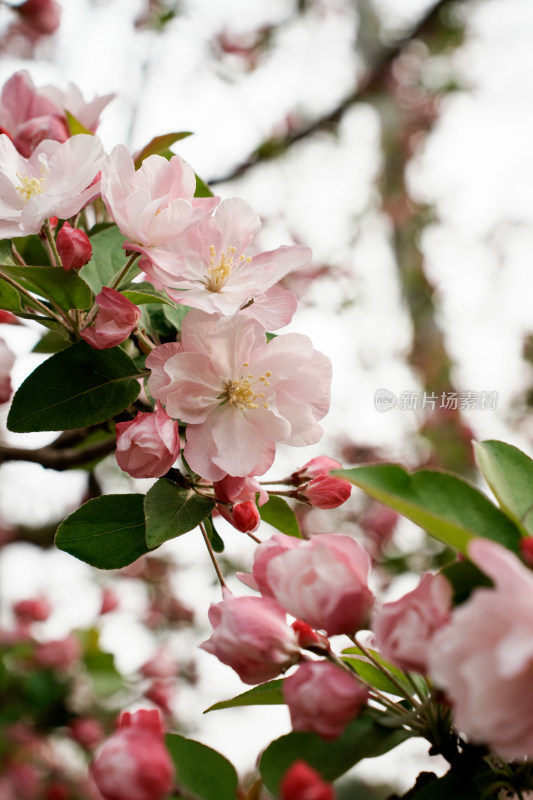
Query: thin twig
pixel 212 556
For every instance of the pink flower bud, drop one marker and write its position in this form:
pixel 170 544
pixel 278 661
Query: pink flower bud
pixel 308 638
pixel 526 550
pixel 325 491
pixel 133 763
pixel 74 247
pixel 115 320
pixel 87 731
pixel 323 698
pixel 7 318
pixel 109 602
pixel 35 610
pixel 323 582
pixel 148 446
pixel 405 629
pixel 161 665
pixel 58 654
pixel 36 130
pixel 251 635
pixel 302 782
pixel 42 15
pixel 243 516
pixel 162 694
pixel 321 465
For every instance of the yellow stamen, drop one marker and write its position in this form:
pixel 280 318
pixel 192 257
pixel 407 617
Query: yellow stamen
pixel 30 186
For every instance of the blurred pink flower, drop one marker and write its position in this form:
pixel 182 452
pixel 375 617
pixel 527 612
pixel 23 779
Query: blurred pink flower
pixel 207 267
pixel 323 698
pixel 58 654
pixel 483 659
pixel 238 394
pixel 42 15
pixel 133 763
pixel 115 320
pixel 405 628
pixel 323 582
pixel 251 635
pixel 57 179
pixel 148 445
pixel 36 609
pixel 7 359
pixel 302 782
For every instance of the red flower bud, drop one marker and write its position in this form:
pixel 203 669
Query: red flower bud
pixel 74 247
pixel 325 491
pixel 302 782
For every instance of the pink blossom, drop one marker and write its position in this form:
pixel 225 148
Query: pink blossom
pixel 483 659
pixel 7 359
pixel 405 628
pixel 109 601
pixel 277 544
pixel 32 610
pixel 302 782
pixel 207 267
pixel 162 694
pixel 148 445
pixel 325 491
pixel 133 763
pixel 29 115
pixel 57 179
pixel 115 320
pixel 87 731
pixel 238 394
pixel 323 582
pixel 321 465
pixel 153 204
pixel 161 665
pixel 42 15
pixel 58 654
pixel 251 635
pixel 74 247
pixel 323 698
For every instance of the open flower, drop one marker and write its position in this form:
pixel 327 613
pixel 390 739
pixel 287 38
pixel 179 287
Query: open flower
pixel 238 394
pixel 208 267
pixel 58 179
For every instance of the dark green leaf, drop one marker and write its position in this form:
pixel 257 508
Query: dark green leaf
pixel 66 288
pixel 266 694
pixel 107 261
pixel 458 786
pixel 171 511
pixel 10 300
pixel 361 666
pixel 216 541
pixel 363 738
pixel 202 189
pixel 175 314
pixel 201 772
pixel 446 506
pixel 509 473
pixel 464 577
pixel 51 342
pixel 6 253
pixel 76 387
pixel 278 513
pixel 107 532
pixel 159 145
pixel 142 293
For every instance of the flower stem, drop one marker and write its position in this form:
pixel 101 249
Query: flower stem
pixel 212 556
pixel 124 271
pixel 53 252
pixel 388 674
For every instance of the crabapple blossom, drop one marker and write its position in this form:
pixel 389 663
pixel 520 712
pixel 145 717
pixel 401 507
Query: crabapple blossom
pixel 302 782
pixel 323 698
pixel 7 359
pixel 148 445
pixel 252 636
pixel 323 582
pixel 116 318
pixel 133 763
pixel 59 178
pixel 42 15
pixel 483 659
pixel 404 629
pixel 236 501
pixel 238 394
pixel 211 271
pixel 74 247
pixel 321 465
pixel 325 491
pixel 153 204
pixel 277 544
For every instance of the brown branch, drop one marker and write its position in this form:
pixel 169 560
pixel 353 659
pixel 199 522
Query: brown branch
pixel 274 148
pixel 58 459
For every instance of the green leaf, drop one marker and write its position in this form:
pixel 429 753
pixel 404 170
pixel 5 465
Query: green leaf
pixel 6 253
pixel 159 145
pixel 107 532
pixel 51 342
pixel 458 786
pixel 278 513
pixel 446 506
pixel 75 126
pixel 215 540
pixel 171 511
pixel 141 293
pixel 509 473
pixel 368 671
pixel 105 677
pixel 363 738
pixel 76 387
pixel 266 694
pixel 107 261
pixel 202 189
pixel 464 577
pixel 10 300
pixel 201 771
pixel 174 314
pixel 64 287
